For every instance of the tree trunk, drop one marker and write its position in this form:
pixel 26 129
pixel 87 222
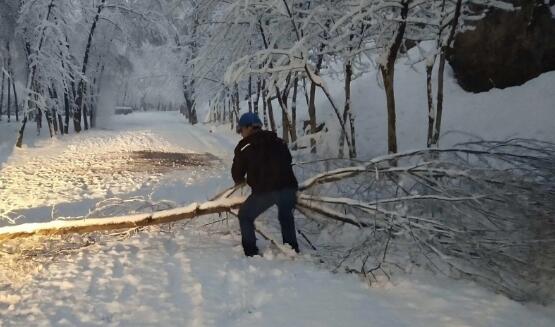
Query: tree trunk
pixel 249 97
pixel 271 113
pixel 431 110
pixel 19 142
pixel 80 101
pixel 237 106
pixel 15 99
pixel 257 95
pixel 282 100
pixel 9 112
pixel 388 78
pixel 347 116
pixel 54 96
pixel 105 224
pixel 293 127
pixel 312 100
pixel 66 110
pixel 388 73
pixel 61 124
pixel 12 78
pixel 49 122
pixel 284 127
pixel 441 72
pixel 264 104
pixel 2 91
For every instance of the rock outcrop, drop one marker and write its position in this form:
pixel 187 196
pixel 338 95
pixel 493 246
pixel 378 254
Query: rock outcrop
pixel 506 48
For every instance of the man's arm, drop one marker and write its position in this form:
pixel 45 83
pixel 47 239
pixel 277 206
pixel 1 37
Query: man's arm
pixel 239 167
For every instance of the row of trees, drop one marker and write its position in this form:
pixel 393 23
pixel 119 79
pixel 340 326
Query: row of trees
pixel 272 55
pixel 8 90
pixel 65 49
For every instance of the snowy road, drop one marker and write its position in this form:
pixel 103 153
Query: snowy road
pixel 185 275
pixel 69 175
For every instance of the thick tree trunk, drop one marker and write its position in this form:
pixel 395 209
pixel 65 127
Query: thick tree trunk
pixel 387 69
pixel 19 142
pixel 104 224
pixel 388 75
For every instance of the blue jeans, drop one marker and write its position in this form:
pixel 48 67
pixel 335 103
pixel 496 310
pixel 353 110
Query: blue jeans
pixel 256 204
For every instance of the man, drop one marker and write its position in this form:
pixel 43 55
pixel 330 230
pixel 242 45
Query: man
pixel 266 161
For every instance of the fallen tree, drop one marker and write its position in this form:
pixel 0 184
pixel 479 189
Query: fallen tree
pixel 483 211
pixel 60 227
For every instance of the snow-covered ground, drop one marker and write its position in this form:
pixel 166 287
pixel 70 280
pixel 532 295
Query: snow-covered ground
pixel 65 176
pixel 186 277
pixel 184 274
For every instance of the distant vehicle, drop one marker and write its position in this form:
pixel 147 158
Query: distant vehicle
pixel 123 110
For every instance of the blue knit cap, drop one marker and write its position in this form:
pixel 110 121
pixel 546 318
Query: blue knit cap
pixel 249 119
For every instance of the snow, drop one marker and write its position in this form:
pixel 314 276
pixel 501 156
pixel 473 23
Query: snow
pixel 187 277
pixel 68 175
pixel 524 111
pixel 183 274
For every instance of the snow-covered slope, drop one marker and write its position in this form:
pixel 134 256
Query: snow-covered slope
pixel 526 111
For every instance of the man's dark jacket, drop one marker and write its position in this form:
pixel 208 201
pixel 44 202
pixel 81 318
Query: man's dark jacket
pixel 266 160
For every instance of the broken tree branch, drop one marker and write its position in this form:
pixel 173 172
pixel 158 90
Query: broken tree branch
pixel 60 227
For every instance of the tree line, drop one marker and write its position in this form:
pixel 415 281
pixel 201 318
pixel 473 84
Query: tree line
pixel 272 54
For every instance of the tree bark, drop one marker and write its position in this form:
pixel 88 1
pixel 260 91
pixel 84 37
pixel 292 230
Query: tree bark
pixel 12 78
pixel 249 97
pixel 312 101
pixel 2 91
pixel 103 224
pixel 293 127
pixel 387 69
pixel 80 101
pixel 347 116
pixel 257 95
pixel 8 107
pixel 441 72
pixel 270 112
pixel 431 110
